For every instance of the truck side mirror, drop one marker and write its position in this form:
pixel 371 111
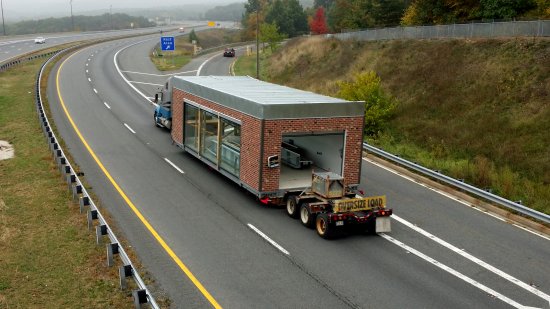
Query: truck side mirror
pixel 156 97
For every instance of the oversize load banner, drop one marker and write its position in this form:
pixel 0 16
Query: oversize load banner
pixel 359 204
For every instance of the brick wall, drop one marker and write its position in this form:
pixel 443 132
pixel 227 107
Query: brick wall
pixel 273 131
pixel 177 117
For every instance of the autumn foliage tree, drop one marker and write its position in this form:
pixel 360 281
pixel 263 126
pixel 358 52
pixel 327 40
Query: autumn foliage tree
pixel 379 106
pixel 319 25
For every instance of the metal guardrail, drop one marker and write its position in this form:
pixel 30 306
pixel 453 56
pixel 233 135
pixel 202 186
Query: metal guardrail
pixel 533 28
pixel 142 295
pixel 8 64
pixel 459 184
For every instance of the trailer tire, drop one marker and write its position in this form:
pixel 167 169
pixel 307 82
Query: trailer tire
pixel 323 227
pixel 307 218
pixel 370 227
pixel 292 207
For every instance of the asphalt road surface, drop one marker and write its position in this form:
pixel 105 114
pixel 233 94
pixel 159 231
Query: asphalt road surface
pixel 14 46
pixel 440 254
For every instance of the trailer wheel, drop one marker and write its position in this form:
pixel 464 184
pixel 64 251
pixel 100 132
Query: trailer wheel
pixel 292 207
pixel 370 227
pixel 323 227
pixel 308 220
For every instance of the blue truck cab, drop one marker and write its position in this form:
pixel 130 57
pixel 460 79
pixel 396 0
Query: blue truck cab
pixel 163 108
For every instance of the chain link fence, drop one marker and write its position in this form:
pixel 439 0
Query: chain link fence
pixel 534 28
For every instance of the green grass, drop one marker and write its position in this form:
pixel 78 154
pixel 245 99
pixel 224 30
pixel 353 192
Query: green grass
pixel 246 65
pixel 475 109
pixel 170 60
pixel 48 258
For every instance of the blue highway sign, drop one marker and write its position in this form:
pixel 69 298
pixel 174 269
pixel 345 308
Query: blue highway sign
pixel 167 43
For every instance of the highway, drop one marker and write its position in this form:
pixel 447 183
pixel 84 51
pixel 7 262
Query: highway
pixel 14 46
pixel 441 253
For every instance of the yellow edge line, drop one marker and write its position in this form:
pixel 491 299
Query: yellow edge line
pixel 129 202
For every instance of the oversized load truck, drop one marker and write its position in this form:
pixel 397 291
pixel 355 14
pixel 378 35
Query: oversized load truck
pixel 286 146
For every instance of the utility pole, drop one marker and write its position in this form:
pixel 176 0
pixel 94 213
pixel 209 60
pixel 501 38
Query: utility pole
pixel 72 18
pixel 258 41
pixel 3 25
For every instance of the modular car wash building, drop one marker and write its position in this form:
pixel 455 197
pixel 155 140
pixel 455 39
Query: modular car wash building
pixel 268 138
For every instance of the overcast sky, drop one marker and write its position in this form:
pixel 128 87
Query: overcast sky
pixel 44 8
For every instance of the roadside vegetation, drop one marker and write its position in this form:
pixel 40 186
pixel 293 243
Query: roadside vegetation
pixel 81 23
pixel 48 258
pixel 246 65
pixel 476 110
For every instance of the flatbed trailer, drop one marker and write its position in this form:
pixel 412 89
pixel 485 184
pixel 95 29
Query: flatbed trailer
pixel 277 142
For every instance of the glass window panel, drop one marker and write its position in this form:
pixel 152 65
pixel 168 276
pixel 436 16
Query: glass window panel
pixel 231 147
pixel 209 136
pixel 192 127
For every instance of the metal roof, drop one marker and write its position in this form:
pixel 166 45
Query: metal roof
pixel 266 100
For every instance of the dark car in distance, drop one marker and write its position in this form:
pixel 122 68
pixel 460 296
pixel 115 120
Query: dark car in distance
pixel 229 52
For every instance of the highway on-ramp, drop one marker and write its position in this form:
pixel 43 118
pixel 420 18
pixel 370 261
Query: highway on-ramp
pixel 206 242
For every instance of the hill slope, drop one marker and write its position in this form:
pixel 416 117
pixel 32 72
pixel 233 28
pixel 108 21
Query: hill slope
pixel 478 110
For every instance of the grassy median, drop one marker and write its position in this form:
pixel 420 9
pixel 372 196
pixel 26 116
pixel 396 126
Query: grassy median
pixel 48 258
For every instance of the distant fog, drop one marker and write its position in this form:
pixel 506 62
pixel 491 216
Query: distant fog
pixel 16 10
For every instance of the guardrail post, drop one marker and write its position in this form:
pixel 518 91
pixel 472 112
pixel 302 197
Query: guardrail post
pixel 61 161
pixel 124 272
pixel 112 249
pixel 84 201
pixel 140 297
pixel 46 126
pixel 71 179
pixel 66 171
pixel 100 230
pixel 92 215
pixel 77 190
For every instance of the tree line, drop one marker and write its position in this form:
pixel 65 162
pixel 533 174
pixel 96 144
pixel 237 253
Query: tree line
pixel 291 19
pixel 81 23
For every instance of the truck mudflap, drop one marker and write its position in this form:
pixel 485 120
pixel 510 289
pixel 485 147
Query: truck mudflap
pixel 383 225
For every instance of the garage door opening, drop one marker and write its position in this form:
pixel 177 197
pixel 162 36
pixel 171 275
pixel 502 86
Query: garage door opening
pixel 303 153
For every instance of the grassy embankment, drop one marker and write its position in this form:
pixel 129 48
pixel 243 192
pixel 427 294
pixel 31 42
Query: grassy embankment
pixel 246 65
pixel 174 60
pixel 476 110
pixel 48 258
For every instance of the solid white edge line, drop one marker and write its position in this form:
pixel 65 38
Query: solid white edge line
pixel 160 75
pixel 472 258
pixel 124 77
pixel 107 105
pixel 453 198
pixel 452 271
pixel 128 127
pixel 95 90
pixel 174 166
pixel 205 61
pixel 271 241
pixel 133 82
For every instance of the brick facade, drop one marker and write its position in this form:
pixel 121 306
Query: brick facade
pixel 275 129
pixel 251 141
